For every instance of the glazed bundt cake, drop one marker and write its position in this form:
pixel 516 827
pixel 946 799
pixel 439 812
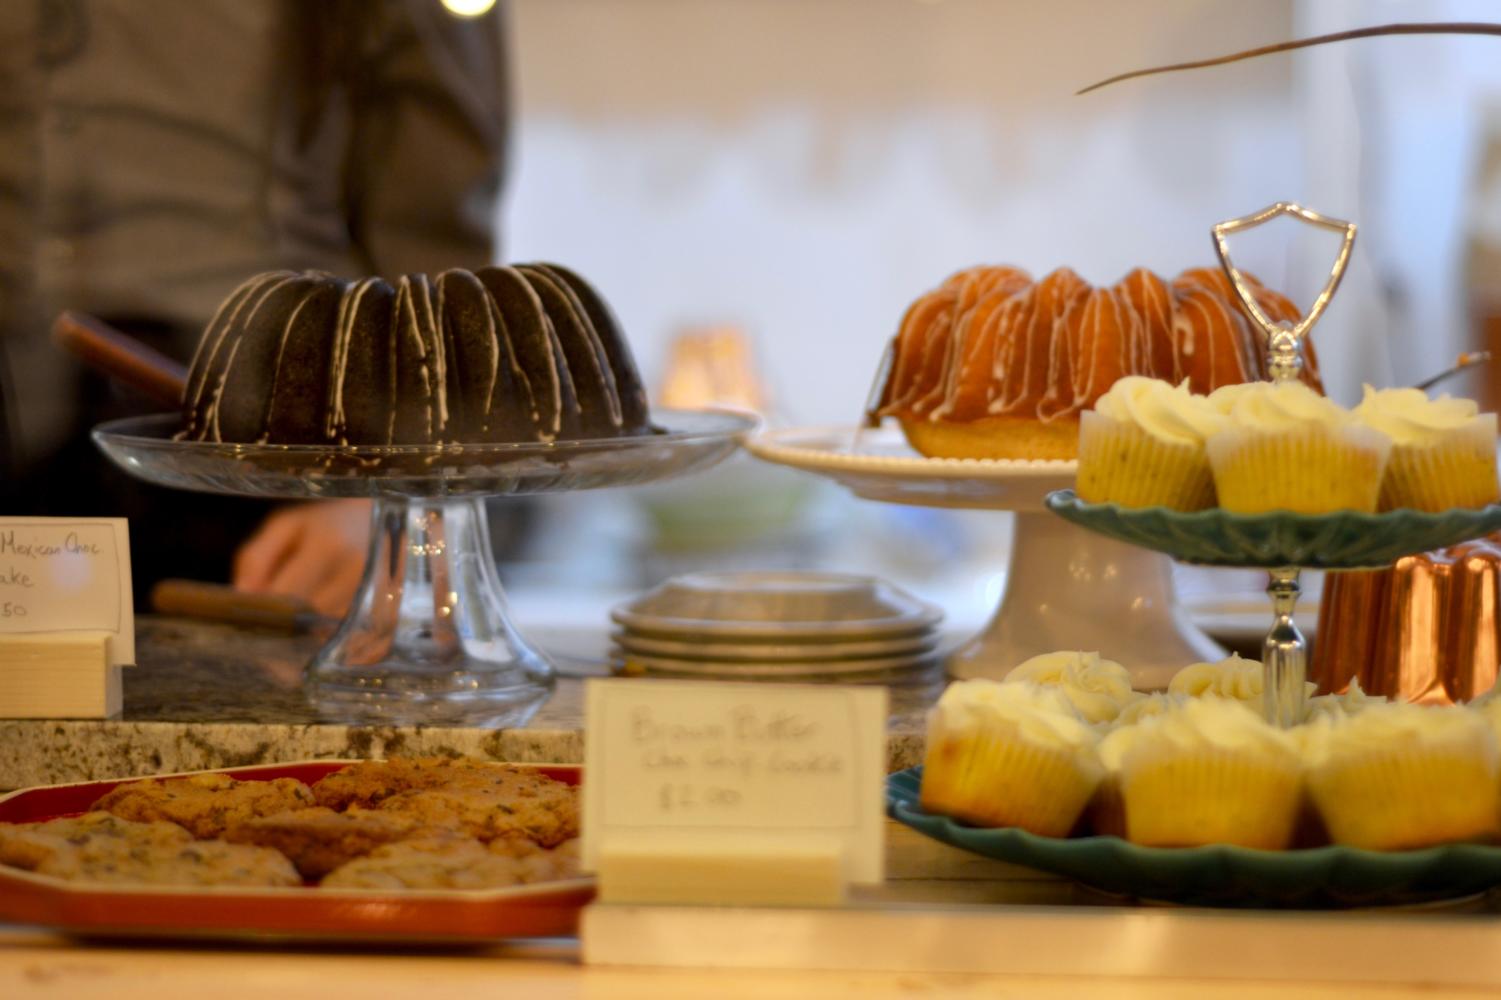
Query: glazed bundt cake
pixel 502 354
pixel 994 365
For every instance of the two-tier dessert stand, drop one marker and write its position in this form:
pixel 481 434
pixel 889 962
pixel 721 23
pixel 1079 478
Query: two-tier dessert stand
pixel 428 637
pixel 1281 542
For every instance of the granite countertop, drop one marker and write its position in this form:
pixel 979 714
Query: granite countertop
pixel 207 696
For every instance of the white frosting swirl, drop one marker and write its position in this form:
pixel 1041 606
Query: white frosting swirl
pixel 1148 706
pixel 1354 700
pixel 1231 677
pixel 1489 709
pixel 1036 713
pixel 1116 745
pixel 1409 417
pixel 1393 726
pixel 1264 406
pixel 1210 724
pixel 1098 689
pixel 1223 399
pixel 1165 411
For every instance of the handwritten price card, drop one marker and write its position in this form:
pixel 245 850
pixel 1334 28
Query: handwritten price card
pixel 685 764
pixel 59 575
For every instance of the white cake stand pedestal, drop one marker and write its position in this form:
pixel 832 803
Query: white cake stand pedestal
pixel 1067 588
pixel 428 638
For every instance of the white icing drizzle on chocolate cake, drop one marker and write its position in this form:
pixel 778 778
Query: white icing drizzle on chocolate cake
pixel 504 354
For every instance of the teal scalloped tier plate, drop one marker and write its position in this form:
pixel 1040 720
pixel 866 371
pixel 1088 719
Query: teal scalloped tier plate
pixel 1339 540
pixel 1218 875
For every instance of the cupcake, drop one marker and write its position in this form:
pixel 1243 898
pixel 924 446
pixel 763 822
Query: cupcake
pixel 1107 808
pixel 1232 678
pixel 1148 706
pixel 1210 773
pixel 1143 446
pixel 1288 448
pixel 1351 702
pixel 1223 399
pixel 1402 776
pixel 1097 689
pixel 1012 754
pixel 1443 450
pixel 1488 707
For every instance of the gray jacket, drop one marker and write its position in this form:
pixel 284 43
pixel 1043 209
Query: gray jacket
pixel 155 153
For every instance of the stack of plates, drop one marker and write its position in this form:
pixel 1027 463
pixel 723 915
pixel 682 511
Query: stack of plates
pixel 775 625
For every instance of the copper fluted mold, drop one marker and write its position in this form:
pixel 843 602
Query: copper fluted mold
pixel 1425 630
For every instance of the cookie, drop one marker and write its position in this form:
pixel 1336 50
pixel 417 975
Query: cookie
pixel 199 863
pixel 29 845
pixel 547 816
pixel 369 783
pixel 100 847
pixel 540 864
pixel 318 840
pixel 429 863
pixel 207 805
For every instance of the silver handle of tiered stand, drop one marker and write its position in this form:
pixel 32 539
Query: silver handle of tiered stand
pixel 1284 651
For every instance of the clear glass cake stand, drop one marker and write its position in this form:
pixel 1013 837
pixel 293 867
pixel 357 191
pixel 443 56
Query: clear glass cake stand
pixel 428 638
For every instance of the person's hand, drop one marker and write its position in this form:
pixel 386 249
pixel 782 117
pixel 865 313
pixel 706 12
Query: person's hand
pixel 315 551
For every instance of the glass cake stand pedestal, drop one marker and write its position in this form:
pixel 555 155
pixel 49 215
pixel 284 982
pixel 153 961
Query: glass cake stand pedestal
pixel 428 638
pixel 1067 587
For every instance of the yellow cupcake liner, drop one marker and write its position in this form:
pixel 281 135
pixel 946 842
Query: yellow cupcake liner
pixel 1307 471
pixel 1395 799
pixel 1457 471
pixel 1121 463
pixel 1000 779
pixel 1187 798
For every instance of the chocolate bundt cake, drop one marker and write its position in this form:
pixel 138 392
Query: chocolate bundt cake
pixel 502 354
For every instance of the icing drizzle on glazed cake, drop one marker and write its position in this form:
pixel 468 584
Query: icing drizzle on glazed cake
pixel 529 353
pixel 991 342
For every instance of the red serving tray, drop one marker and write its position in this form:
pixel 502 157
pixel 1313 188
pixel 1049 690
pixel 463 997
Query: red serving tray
pixel 542 910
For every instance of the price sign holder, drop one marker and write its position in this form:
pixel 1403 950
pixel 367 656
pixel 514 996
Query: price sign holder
pixel 721 793
pixel 67 624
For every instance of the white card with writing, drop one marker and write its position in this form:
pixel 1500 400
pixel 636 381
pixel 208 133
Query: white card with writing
pixel 61 575
pixel 699 760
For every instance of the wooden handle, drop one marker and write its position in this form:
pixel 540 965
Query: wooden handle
pixel 121 357
pixel 216 602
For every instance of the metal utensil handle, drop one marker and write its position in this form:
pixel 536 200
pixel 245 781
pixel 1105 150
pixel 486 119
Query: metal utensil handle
pixel 1468 359
pixel 1284 359
pixel 1284 653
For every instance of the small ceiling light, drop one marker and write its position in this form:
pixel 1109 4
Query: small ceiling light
pixel 468 8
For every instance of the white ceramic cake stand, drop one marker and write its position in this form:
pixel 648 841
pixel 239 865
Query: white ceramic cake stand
pixel 428 637
pixel 1068 588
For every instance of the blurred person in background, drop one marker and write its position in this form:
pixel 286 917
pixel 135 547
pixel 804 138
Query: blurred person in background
pixel 154 154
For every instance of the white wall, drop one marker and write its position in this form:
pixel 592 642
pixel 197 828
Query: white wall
pixel 805 168
pixel 1392 127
